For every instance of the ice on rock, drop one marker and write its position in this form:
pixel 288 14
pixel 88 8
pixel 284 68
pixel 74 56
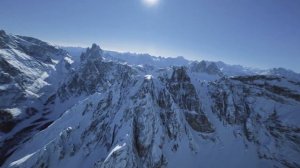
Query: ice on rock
pixel 148 77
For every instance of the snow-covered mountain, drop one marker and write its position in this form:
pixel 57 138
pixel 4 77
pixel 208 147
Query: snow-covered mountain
pixel 97 108
pixel 30 71
pixel 164 62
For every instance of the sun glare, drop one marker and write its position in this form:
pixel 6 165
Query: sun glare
pixel 150 2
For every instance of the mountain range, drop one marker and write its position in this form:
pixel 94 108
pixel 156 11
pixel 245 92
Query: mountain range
pixel 89 107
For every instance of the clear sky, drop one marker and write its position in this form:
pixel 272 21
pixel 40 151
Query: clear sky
pixel 256 33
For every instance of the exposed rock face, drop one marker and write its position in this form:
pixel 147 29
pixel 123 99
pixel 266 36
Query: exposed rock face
pixel 7 122
pixel 4 40
pixel 205 67
pixel 245 101
pixel 93 74
pixel 184 94
pixel 92 54
pixel 104 113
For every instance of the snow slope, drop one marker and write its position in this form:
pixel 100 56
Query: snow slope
pixel 30 71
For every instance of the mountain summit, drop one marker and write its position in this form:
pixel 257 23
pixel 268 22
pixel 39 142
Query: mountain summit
pixel 95 52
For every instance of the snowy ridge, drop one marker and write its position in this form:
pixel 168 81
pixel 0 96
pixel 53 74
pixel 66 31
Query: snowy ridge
pixel 30 72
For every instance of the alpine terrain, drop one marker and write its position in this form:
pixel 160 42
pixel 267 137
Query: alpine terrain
pixel 75 107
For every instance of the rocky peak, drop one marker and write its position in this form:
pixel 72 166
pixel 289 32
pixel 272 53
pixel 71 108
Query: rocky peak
pixel 205 67
pixel 2 33
pixel 185 95
pixel 198 66
pixel 180 75
pixel 213 69
pixel 4 40
pixel 93 53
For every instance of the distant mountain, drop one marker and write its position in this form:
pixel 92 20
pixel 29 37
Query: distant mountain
pixel 163 62
pixel 75 107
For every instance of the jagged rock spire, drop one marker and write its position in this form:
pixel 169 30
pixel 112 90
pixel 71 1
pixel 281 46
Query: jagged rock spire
pixel 95 52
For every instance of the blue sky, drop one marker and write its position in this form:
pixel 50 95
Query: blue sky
pixel 256 33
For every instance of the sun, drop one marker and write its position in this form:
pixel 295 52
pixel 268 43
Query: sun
pixel 150 2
